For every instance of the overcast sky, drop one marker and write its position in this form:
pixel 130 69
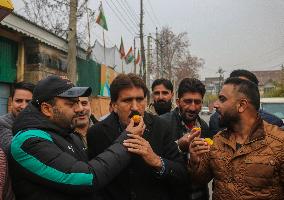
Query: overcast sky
pixel 230 34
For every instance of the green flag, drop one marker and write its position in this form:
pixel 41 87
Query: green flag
pixel 101 20
pixel 129 56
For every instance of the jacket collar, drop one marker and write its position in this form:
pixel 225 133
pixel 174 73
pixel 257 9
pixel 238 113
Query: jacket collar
pixel 257 133
pixel 32 118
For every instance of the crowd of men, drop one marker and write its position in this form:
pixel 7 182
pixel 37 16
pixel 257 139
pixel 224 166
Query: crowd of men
pixel 52 146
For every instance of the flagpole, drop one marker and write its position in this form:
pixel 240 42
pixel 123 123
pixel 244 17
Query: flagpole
pixel 122 66
pixel 104 46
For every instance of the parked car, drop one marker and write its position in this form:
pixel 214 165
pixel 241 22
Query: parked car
pixel 273 105
pixel 205 111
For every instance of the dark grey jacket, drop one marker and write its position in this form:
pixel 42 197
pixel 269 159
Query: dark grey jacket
pixel 6 122
pixel 193 191
pixel 49 162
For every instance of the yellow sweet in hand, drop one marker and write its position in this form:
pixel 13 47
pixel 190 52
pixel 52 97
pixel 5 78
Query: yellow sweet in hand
pixel 209 141
pixel 136 119
pixel 196 129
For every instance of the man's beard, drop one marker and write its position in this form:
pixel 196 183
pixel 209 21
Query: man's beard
pixel 228 119
pixel 189 116
pixel 162 107
pixel 78 123
pixel 60 119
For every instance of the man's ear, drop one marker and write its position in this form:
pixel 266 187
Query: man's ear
pixel 177 102
pixel 114 107
pixel 46 109
pixel 242 105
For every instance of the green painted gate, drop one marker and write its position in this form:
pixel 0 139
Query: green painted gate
pixel 89 75
pixel 8 60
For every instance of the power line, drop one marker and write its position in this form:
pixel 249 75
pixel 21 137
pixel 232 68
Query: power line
pixel 122 16
pixel 128 13
pixel 151 19
pixel 131 33
pixel 155 16
pixel 132 11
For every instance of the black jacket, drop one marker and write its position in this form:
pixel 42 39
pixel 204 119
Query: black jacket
pixel 139 181
pixel 193 191
pixel 48 162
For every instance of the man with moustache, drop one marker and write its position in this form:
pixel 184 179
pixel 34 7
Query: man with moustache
pixel 182 120
pixel 156 166
pixel 162 94
pixel 47 160
pixel 246 160
pixel 83 121
pixel 22 94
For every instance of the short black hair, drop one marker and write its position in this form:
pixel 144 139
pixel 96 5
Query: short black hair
pixel 248 88
pixel 245 73
pixel 22 86
pixel 165 82
pixel 191 85
pixel 126 81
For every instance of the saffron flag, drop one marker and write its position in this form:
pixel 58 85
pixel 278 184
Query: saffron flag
pixel 138 59
pixel 121 49
pixel 101 20
pixel 6 7
pixel 129 56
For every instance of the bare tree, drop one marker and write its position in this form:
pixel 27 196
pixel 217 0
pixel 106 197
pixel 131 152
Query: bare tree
pixel 53 15
pixel 174 58
pixel 187 67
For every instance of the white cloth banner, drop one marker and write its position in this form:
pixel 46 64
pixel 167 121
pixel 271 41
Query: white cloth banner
pixel 111 58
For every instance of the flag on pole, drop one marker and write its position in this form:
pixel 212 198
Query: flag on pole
pixel 6 7
pixel 121 49
pixel 129 56
pixel 101 19
pixel 138 59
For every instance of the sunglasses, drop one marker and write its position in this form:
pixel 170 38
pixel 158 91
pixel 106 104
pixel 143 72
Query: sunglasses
pixel 192 101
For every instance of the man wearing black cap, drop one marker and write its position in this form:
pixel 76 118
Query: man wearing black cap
pixel 47 160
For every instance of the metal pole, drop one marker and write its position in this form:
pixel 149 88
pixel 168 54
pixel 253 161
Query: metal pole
pixel 157 54
pixel 134 56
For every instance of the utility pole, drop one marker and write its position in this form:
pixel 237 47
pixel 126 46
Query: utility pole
pixel 142 41
pixel 72 50
pixel 162 58
pixel 157 53
pixel 148 61
pixel 134 56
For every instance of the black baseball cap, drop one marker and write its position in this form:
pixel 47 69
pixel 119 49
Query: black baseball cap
pixel 56 86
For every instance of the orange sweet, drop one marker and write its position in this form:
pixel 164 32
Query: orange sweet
pixel 196 129
pixel 136 119
pixel 209 141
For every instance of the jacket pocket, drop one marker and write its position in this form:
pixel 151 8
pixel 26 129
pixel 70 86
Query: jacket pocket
pixel 259 171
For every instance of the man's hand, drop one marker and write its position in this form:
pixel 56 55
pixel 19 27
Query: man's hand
pixel 197 148
pixel 141 147
pixel 136 130
pixel 184 141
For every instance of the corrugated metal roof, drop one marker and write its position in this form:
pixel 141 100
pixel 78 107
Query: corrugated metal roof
pixel 26 27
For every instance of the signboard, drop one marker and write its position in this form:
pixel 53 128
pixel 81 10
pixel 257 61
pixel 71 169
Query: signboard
pixel 107 76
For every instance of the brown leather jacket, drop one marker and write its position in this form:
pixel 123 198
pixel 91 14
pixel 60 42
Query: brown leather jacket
pixel 254 171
